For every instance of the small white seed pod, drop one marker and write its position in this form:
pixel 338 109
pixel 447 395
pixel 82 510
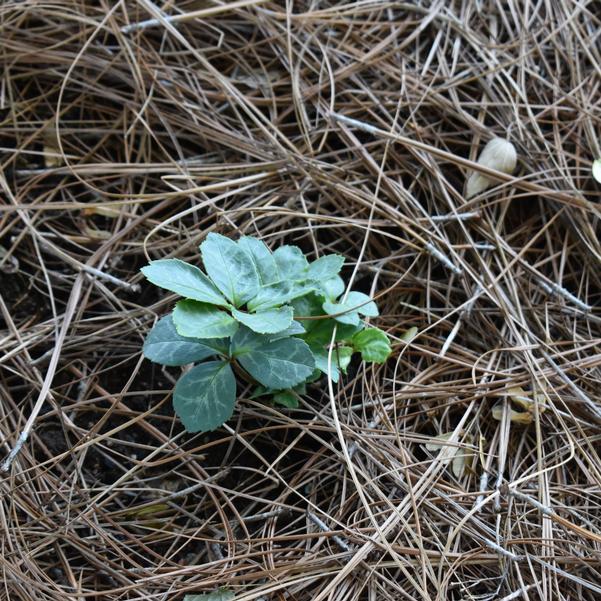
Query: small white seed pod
pixel 498 154
pixel 597 170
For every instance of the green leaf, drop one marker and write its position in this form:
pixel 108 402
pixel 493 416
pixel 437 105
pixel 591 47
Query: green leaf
pixel 278 364
pixel 363 304
pixel 344 355
pixel 332 288
pixel 263 259
pixel 184 279
pixel 164 345
pixel 341 357
pixel 291 262
pixel 356 304
pixel 308 306
pixel 200 320
pixel 342 313
pixel 373 344
pixel 231 268
pixel 319 333
pixel 316 375
pixel 286 398
pixel 270 321
pixel 300 388
pixel 260 391
pixel 220 595
pixel 325 267
pixel 280 293
pixel 204 397
pixel 321 362
pixel 294 329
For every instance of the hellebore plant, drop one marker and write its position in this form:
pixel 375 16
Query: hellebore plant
pixel 238 320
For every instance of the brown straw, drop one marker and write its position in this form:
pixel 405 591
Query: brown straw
pixel 129 130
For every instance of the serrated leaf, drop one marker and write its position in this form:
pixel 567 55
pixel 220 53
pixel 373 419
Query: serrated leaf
pixel 332 288
pixel 308 306
pixel 200 320
pixel 342 313
pixel 280 293
pixel 292 263
pixel 348 311
pixel 300 388
pixel 325 268
pixel 320 331
pixel 597 170
pixel 183 279
pixel 286 398
pixel 220 595
pixel 270 321
pixel 341 357
pixel 294 329
pixel 165 346
pixel 260 390
pixel 373 344
pixel 316 375
pixel 278 364
pixel 344 354
pixel 263 259
pixel 361 303
pixel 204 397
pixel 231 268
pixel 321 362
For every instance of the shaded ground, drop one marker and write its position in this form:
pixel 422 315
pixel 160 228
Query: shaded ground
pixel 117 146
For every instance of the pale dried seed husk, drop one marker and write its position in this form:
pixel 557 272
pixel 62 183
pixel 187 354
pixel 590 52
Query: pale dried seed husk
pixel 499 154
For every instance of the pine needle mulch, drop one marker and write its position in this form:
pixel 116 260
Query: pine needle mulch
pixel 465 468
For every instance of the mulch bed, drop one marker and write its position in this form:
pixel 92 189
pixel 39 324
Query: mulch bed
pixel 123 140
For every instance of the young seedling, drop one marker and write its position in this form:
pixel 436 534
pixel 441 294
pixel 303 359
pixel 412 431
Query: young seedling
pixel 266 318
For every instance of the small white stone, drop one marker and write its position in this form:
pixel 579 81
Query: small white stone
pixel 498 154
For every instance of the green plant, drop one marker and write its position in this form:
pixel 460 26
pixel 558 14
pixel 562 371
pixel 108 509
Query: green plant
pixel 238 320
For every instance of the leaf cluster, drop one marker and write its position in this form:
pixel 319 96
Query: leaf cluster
pixel 266 317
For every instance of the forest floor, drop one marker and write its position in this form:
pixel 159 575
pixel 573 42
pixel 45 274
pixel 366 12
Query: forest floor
pixel 339 127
